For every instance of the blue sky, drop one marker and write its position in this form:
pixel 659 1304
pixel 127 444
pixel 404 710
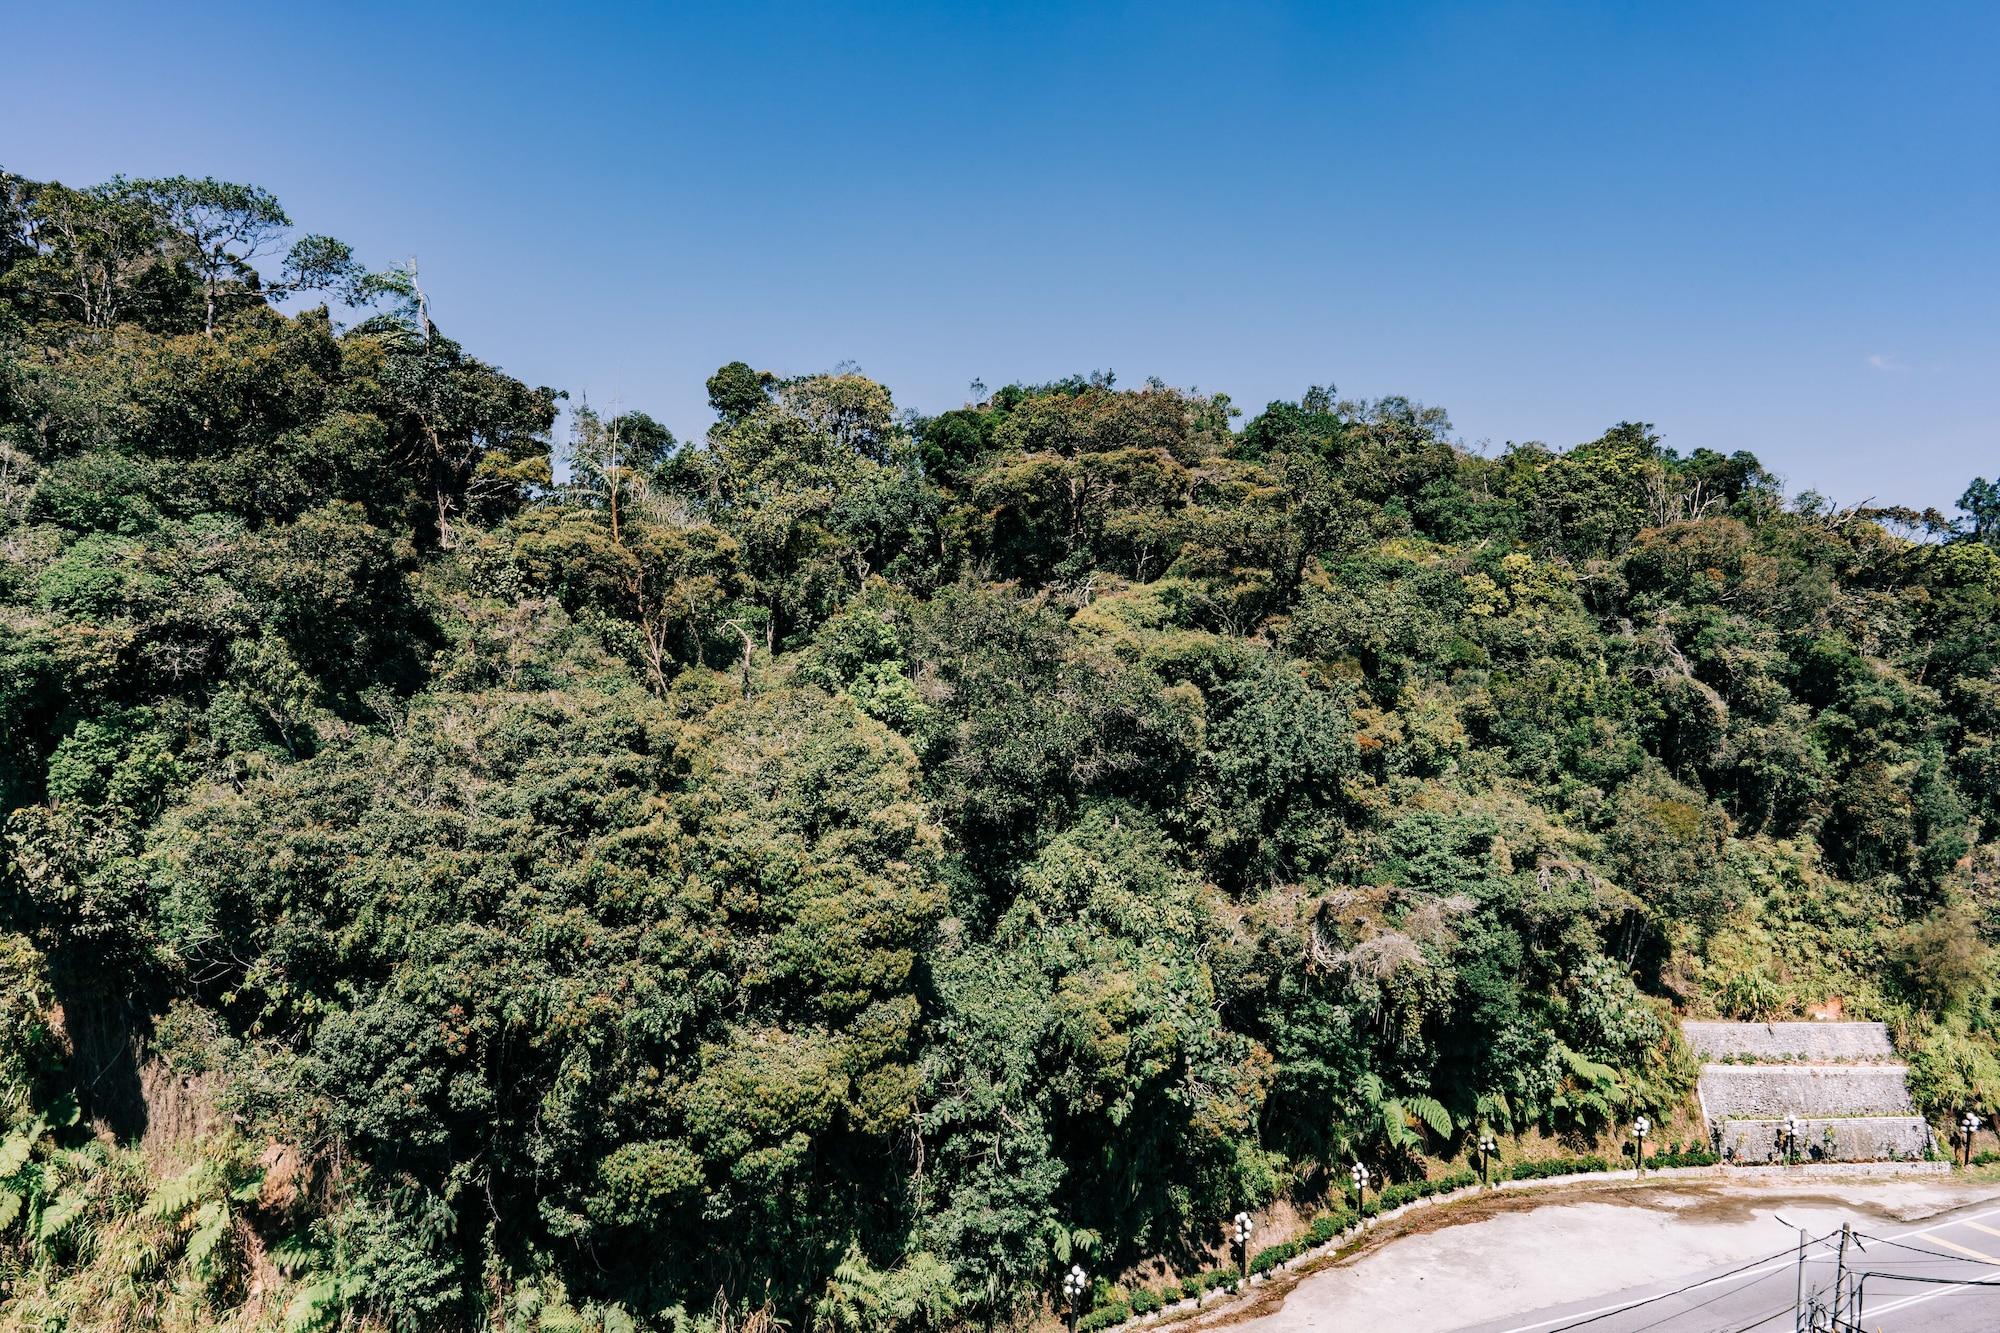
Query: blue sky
pixel 1762 226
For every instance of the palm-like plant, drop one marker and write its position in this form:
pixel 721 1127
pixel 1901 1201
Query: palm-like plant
pixel 1397 1122
pixel 202 1205
pixel 1589 1093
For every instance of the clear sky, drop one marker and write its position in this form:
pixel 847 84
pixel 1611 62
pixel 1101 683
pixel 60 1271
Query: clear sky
pixel 1764 226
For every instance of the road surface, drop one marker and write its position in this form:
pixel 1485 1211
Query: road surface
pixel 1942 1276
pixel 1711 1256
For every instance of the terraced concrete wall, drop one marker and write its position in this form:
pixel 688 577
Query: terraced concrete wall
pixel 1904 1138
pixel 1819 1043
pixel 1772 1092
pixel 1842 1081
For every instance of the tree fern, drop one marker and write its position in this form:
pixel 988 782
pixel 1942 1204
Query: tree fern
pixel 1494 1108
pixel 1430 1111
pixel 316 1306
pixel 211 1223
pixel 60 1214
pixel 1400 1120
pixel 18 1147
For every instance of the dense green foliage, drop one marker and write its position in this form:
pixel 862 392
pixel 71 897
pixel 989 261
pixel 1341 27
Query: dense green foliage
pixel 844 869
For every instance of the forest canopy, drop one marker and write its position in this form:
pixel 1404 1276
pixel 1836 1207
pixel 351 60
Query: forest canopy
pixel 470 861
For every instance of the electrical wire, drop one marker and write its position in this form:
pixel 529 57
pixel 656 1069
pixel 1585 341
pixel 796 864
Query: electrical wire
pixel 1992 1280
pixel 1918 1249
pixel 1719 1277
pixel 1761 1320
pixel 1880 1274
pixel 1671 1315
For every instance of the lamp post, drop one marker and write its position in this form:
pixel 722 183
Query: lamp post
pixel 1640 1128
pixel 1360 1174
pixel 1791 1137
pixel 1488 1150
pixel 1241 1235
pixel 1970 1124
pixel 1075 1283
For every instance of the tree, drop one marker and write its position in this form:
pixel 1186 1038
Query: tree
pixel 1981 503
pixel 94 252
pixel 318 263
pixel 221 226
pixel 475 441
pixel 735 391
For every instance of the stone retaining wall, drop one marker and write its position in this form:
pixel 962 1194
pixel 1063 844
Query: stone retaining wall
pixel 1819 1042
pixel 1862 1138
pixel 1772 1092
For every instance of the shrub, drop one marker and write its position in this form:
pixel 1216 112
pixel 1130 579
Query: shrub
pixel 1104 1316
pixel 1218 1277
pixel 1557 1166
pixel 1272 1255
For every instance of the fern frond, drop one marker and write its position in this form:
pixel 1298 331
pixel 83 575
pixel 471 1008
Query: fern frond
pixel 17 1147
pixel 1396 1126
pixel 315 1307
pixel 297 1253
pixel 173 1197
pixel 211 1224
pixel 1431 1111
pixel 60 1214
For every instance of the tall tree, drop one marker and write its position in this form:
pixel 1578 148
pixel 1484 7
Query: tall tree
pixel 222 226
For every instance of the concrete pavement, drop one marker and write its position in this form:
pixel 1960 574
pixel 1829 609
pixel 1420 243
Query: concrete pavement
pixel 1942 1275
pixel 1526 1265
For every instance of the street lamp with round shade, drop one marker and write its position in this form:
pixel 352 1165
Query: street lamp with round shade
pixel 1970 1124
pixel 1640 1128
pixel 1241 1234
pixel 1360 1174
pixel 1075 1283
pixel 1488 1149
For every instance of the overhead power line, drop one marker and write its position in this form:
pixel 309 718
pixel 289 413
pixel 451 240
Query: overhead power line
pixel 1692 1286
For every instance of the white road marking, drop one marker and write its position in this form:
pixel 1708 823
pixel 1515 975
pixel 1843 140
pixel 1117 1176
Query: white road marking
pixel 1893 1306
pixel 1754 1272
pixel 1965 1250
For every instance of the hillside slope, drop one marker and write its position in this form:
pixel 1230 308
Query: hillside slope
pixel 846 868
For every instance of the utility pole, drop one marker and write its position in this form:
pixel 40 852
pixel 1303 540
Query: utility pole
pixel 1799 1288
pixel 1840 1270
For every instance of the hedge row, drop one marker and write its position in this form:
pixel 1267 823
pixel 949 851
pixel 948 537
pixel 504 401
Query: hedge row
pixel 1145 1300
pixel 1557 1166
pixel 1395 1196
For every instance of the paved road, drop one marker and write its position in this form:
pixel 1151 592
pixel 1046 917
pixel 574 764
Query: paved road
pixel 1759 1293
pixel 1543 1261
